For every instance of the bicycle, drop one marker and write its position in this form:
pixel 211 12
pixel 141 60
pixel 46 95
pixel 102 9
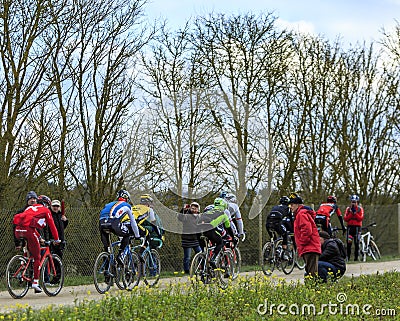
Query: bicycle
pixel 298 260
pixel 19 272
pixel 275 256
pixel 151 262
pixel 236 255
pixel 106 270
pixel 368 245
pixel 202 271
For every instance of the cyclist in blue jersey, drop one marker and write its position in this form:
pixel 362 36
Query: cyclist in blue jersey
pixel 113 218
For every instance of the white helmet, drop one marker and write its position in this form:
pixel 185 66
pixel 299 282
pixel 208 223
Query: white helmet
pixel 231 198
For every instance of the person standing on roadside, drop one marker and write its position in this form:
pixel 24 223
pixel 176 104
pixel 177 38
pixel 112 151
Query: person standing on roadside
pixel 190 239
pixel 306 234
pixel 354 216
pixel 61 222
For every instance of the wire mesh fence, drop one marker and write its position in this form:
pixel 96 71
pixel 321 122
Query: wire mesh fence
pixel 83 238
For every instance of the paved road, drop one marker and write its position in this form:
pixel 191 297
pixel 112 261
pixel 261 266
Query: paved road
pixel 70 295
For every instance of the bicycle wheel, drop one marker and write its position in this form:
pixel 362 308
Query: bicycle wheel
pixel 237 262
pixel 131 274
pixel 52 277
pixel 268 259
pixel 299 261
pixel 16 285
pixel 287 260
pixel 101 273
pixel 152 267
pixel 375 253
pixel 224 268
pixel 198 269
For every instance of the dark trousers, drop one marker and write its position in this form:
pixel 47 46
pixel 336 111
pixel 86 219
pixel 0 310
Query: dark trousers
pixel 311 260
pixel 355 232
pixel 187 251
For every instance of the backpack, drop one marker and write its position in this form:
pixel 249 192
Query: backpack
pixel 341 246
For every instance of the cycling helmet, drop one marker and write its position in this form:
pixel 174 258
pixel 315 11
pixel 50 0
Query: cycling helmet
pixel 30 195
pixel 44 200
pixel 146 199
pixel 284 200
pixel 223 194
pixel 231 198
pixel 220 204
pixel 331 199
pixel 122 193
pixel 295 199
pixel 208 208
pixel 354 198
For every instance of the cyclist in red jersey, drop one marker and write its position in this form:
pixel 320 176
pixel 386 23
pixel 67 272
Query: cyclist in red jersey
pixel 325 212
pixel 35 217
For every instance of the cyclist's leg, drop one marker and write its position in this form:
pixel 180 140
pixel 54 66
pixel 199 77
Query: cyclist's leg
pixel 215 239
pixel 357 242
pixel 32 238
pixel 105 228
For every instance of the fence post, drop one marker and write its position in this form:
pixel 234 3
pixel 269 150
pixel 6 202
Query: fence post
pixel 260 238
pixel 398 228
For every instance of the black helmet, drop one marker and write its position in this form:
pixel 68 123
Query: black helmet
pixel 295 199
pixel 44 200
pixel 284 200
pixel 124 194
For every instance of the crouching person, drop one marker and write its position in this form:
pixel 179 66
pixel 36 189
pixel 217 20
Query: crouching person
pixel 332 262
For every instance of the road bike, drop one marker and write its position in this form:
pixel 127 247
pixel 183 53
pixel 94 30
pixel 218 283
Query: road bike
pixel 106 271
pixel 275 256
pixel 19 272
pixel 236 255
pixel 202 272
pixel 368 245
pixel 151 261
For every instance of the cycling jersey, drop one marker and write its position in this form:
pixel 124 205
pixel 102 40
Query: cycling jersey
pixel 236 218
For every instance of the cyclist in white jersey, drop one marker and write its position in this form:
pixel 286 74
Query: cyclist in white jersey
pixel 234 213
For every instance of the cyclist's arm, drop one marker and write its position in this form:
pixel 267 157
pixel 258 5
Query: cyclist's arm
pixel 134 226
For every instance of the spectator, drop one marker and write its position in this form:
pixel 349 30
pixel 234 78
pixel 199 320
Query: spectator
pixel 331 263
pixel 354 216
pixel 190 238
pixel 61 222
pixel 306 234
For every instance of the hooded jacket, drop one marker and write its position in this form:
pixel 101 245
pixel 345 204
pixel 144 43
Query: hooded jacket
pixel 305 231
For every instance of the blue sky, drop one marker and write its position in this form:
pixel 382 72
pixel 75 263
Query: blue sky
pixel 351 20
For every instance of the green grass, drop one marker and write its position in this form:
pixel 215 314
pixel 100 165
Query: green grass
pixel 248 298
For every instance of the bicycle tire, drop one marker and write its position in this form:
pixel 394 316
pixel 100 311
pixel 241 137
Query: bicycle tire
pixel 132 271
pixel 55 276
pixel 102 281
pixel 16 285
pixel 237 263
pixel 268 258
pixel 224 268
pixel 287 260
pixel 151 268
pixel 376 254
pixel 300 263
pixel 198 269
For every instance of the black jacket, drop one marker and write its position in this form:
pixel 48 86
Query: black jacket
pixel 60 225
pixel 190 235
pixel 331 253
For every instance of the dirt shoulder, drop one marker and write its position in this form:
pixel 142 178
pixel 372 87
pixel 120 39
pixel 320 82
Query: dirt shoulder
pixel 75 294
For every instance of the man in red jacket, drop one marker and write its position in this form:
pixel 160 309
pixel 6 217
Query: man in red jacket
pixel 306 234
pixel 35 217
pixel 354 216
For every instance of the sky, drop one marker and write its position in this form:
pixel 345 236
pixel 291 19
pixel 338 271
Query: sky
pixel 350 21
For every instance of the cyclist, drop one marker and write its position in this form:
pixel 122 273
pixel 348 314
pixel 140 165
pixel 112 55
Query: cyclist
pixel 146 220
pixel 234 213
pixel 209 222
pixel 325 212
pixel 116 217
pixel 35 216
pixel 354 216
pixel 280 220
